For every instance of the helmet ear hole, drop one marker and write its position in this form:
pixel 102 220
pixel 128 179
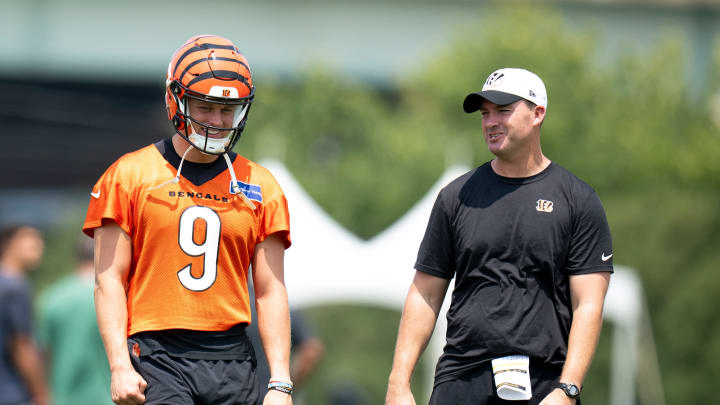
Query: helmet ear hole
pixel 177 123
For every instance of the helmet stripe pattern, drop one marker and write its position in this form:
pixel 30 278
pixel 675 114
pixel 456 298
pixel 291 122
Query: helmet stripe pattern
pixel 202 47
pixel 188 67
pixel 220 74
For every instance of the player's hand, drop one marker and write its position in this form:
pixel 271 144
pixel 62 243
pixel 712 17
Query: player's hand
pixel 557 397
pixel 127 387
pixel 275 397
pixel 399 395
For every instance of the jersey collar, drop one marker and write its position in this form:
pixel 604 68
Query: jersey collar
pixel 196 173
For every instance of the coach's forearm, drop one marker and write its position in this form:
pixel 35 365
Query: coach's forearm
pixel 416 326
pixel 588 296
pixel 274 327
pixel 584 334
pixel 420 313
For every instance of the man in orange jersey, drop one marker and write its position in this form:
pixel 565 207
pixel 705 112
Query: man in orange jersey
pixel 177 225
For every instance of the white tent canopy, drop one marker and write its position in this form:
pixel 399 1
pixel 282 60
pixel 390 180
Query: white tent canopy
pixel 327 264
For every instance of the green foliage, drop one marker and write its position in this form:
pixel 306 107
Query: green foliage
pixel 631 117
pixel 358 344
pixel 60 245
pixel 348 146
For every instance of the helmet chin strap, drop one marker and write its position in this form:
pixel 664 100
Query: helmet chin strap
pixel 215 145
pixel 220 143
pixel 234 188
pixel 176 179
pixel 205 143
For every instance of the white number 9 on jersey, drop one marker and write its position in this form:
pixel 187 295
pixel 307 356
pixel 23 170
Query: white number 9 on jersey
pixel 209 248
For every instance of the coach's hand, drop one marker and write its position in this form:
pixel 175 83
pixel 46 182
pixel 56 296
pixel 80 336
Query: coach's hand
pixel 275 397
pixel 127 387
pixel 399 395
pixel 557 397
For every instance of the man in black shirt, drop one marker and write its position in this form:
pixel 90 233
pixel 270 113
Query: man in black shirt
pixel 529 247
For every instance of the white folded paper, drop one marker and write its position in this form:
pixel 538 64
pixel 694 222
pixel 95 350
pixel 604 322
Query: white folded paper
pixel 512 377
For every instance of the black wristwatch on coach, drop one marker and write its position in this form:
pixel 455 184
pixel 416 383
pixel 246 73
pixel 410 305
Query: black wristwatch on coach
pixel 571 390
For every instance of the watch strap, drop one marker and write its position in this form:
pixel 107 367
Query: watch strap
pixel 571 390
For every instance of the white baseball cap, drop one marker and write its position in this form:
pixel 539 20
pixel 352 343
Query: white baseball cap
pixel 506 86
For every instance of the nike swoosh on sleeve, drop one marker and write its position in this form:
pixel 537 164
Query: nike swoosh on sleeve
pixel 606 258
pixel 96 195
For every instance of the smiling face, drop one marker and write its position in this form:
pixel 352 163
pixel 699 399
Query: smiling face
pixel 511 131
pixel 212 115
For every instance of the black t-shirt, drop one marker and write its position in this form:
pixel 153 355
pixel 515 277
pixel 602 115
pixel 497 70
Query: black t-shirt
pixel 511 244
pixel 15 320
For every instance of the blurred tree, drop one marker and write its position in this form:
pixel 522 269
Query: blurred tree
pixel 349 146
pixel 359 341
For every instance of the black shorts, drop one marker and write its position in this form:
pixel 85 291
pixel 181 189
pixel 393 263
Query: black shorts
pixel 175 380
pixel 478 387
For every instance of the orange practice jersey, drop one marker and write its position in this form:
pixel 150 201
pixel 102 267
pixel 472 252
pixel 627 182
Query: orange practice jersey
pixel 191 244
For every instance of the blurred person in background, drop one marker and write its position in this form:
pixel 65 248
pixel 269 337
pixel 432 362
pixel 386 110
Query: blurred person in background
pixel 348 392
pixel 22 373
pixel 177 225
pixel 67 330
pixel 306 350
pixel 529 247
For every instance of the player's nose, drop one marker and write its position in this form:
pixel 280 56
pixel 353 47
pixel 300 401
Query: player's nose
pixel 215 118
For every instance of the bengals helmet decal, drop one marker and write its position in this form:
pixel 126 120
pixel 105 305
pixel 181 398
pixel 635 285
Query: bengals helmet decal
pixel 211 69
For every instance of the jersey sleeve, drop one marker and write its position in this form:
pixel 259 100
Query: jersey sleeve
pixel 275 215
pixel 591 244
pixel 110 200
pixel 436 252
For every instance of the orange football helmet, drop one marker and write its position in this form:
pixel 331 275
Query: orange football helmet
pixel 209 68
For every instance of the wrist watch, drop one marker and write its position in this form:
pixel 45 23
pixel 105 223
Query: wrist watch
pixel 571 390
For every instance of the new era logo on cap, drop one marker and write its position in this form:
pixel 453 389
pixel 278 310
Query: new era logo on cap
pixel 506 86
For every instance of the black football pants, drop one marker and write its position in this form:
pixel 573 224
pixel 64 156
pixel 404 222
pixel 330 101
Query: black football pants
pixel 478 387
pixel 183 381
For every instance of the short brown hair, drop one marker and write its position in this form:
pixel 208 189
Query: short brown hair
pixel 8 233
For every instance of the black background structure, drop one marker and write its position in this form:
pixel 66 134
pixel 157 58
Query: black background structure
pixel 65 134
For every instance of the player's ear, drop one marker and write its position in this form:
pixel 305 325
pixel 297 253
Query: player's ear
pixel 539 114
